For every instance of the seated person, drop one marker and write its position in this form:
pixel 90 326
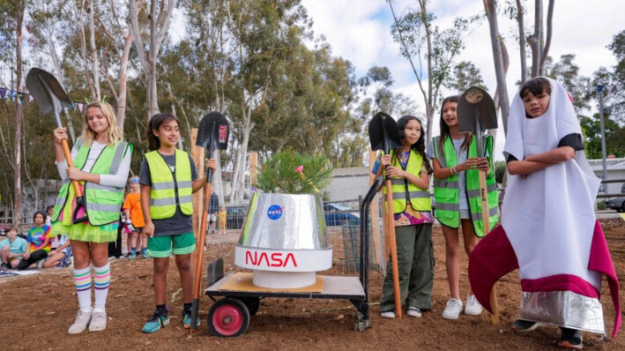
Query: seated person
pixel 12 249
pixel 38 242
pixel 61 256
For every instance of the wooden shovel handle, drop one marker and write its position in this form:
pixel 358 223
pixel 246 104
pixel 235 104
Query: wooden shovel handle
pixel 70 163
pixel 393 244
pixel 201 240
pixel 197 283
pixel 486 221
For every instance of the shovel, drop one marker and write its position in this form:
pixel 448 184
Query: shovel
pixel 476 114
pixel 384 135
pixel 50 96
pixel 212 135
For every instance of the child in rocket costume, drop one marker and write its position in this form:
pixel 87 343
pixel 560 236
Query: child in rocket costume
pixel 548 227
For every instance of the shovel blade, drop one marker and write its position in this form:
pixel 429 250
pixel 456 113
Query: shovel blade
pixel 383 133
pixel 213 132
pixel 476 109
pixel 47 92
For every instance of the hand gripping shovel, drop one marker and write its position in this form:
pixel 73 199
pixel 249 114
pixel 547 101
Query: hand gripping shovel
pixel 384 135
pixel 50 96
pixel 213 135
pixel 476 114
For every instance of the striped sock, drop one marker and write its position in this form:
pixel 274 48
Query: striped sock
pixel 102 279
pixel 82 281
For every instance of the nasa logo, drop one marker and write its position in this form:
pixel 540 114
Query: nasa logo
pixel 276 259
pixel 274 212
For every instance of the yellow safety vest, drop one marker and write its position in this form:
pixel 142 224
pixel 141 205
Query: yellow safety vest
pixel 404 191
pixel 170 189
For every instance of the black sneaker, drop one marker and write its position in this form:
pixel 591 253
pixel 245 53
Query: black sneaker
pixel 571 339
pixel 521 325
pixel 4 265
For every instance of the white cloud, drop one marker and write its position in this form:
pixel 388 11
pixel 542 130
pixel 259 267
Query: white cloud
pixel 359 31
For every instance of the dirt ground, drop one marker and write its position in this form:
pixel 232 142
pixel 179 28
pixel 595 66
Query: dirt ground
pixel 36 311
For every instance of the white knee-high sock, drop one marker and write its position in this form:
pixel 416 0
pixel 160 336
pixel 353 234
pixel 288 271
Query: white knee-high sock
pixel 82 281
pixel 102 279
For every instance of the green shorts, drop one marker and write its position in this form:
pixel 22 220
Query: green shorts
pixel 161 246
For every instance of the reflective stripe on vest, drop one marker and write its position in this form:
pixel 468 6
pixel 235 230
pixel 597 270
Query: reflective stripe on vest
pixel 446 191
pixel 102 202
pixel 403 189
pixel 170 189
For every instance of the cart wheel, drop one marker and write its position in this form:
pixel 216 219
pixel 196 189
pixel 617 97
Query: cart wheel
pixel 228 317
pixel 252 303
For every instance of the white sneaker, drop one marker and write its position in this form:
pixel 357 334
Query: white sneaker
pixel 472 308
pixel 81 322
pixel 388 314
pixel 98 321
pixel 40 263
pixel 414 312
pixel 453 309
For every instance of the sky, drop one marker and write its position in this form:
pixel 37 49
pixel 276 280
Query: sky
pixel 360 31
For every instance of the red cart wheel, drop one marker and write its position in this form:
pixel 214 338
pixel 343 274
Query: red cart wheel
pixel 228 317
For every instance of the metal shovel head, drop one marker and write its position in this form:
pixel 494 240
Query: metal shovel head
pixel 213 132
pixel 476 105
pixel 47 92
pixel 383 133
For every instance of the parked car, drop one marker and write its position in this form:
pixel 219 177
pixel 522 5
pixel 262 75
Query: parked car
pixel 4 228
pixel 339 214
pixel 235 216
pixel 617 203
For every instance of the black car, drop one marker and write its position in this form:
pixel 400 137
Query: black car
pixel 235 216
pixel 617 203
pixel 339 214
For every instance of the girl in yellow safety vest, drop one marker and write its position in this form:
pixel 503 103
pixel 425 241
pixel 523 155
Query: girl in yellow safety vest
pixel 410 171
pixel 101 165
pixel 451 159
pixel 168 179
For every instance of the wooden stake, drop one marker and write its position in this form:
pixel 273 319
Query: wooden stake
pixel 374 209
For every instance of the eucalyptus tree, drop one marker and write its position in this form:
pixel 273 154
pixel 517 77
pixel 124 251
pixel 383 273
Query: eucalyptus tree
pixel 159 16
pixel 425 44
pixel 465 75
pixel 12 15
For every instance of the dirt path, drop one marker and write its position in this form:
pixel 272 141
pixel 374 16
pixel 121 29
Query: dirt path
pixel 37 310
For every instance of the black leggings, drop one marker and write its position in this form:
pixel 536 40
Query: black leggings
pixel 34 257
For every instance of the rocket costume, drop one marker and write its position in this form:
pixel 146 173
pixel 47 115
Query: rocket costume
pixel 548 228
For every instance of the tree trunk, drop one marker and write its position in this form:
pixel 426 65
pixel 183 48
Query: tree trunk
pixel 545 51
pixel 536 39
pixel 19 19
pixel 502 89
pixel 522 42
pixel 93 52
pixel 159 23
pixel 123 78
pixel 429 108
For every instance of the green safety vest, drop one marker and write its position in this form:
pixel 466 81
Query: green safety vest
pixel 446 191
pixel 404 191
pixel 170 189
pixel 102 203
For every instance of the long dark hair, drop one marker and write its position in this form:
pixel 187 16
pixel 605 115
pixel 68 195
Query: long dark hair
pixel 445 133
pixel 41 213
pixel 418 147
pixel 155 123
